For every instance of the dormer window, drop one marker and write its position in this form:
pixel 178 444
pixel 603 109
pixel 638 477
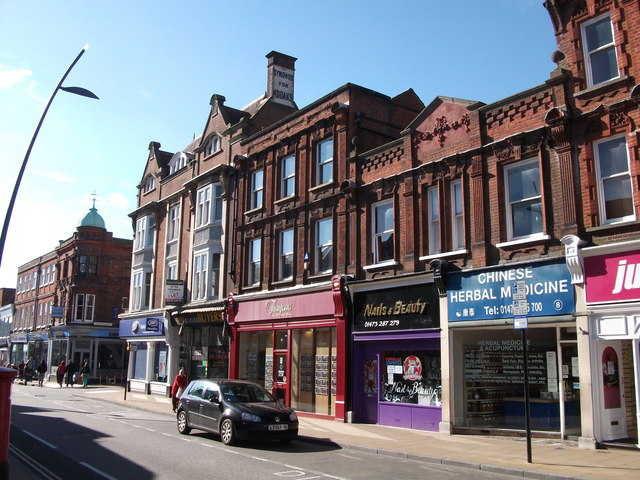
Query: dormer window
pixel 178 162
pixel 213 145
pixel 149 184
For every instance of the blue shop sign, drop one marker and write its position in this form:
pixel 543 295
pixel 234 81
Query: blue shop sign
pixel 487 295
pixel 153 326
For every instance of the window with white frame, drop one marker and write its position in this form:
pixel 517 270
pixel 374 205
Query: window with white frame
pixel 257 188
pixel 84 306
pixel 615 192
pixel 203 206
pixel 255 261
pixel 383 229
pixel 285 263
pixel 457 216
pixel 324 246
pixel 213 145
pixel 217 202
pixel 172 270
pixel 599 50
pixel 200 276
pixel 324 161
pixel 288 176
pixel 433 219
pixel 144 233
pixel 173 222
pixel 178 162
pixel 149 184
pixel 140 289
pixel 524 200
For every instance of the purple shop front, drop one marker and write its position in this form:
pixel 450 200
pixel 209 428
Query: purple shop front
pixel 396 354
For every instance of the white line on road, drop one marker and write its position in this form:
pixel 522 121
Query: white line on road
pixel 350 456
pixel 50 445
pixel 99 472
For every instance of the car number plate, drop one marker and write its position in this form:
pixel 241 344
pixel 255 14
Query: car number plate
pixel 278 427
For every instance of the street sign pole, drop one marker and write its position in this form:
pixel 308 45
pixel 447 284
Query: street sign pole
pixel 520 309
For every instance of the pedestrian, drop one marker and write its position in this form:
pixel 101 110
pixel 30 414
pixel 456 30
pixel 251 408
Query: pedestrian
pixel 179 384
pixel 21 371
pixel 28 370
pixel 71 370
pixel 62 368
pixel 42 370
pixel 85 371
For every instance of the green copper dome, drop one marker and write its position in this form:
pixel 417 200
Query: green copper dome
pixel 92 219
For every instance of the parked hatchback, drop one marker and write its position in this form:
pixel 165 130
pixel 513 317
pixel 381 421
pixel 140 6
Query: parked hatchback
pixel 235 409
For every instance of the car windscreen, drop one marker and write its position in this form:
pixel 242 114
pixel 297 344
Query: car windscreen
pixel 240 393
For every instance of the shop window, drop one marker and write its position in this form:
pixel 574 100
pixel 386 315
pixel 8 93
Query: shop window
pixel 599 50
pixel 110 356
pixel 492 387
pixel 412 377
pixel 256 358
pixel 160 362
pixel 524 200
pixel 615 196
pixel 139 354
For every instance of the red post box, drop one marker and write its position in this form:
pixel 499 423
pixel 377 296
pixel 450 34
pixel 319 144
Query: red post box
pixel 6 379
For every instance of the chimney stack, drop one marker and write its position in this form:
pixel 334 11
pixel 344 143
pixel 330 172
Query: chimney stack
pixel 280 77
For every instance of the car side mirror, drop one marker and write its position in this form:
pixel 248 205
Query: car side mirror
pixel 215 397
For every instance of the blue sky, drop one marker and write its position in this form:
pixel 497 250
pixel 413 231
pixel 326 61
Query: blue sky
pixel 155 65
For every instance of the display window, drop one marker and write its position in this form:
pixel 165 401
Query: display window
pixel 209 353
pixel 139 354
pixel 411 377
pixel 491 391
pixel 160 362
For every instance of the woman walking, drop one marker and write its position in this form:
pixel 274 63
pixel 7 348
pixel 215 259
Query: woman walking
pixel 84 373
pixel 179 384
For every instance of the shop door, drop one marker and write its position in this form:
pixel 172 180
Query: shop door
pixel 370 390
pixel 280 384
pixel 613 421
pixel 571 389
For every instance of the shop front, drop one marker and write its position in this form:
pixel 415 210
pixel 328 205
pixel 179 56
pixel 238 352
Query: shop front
pixel 204 342
pixel 152 354
pixel 294 346
pixel 396 370
pixel 612 290
pixel 487 355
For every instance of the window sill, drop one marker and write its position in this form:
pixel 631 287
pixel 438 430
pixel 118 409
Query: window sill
pixel 321 187
pixel 320 276
pixel 284 200
pixel 253 211
pixel 523 241
pixel 381 265
pixel 588 91
pixel 607 226
pixel 283 282
pixel 454 253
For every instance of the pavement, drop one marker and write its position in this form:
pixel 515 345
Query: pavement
pixel 551 459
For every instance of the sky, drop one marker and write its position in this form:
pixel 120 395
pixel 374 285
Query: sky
pixel 155 64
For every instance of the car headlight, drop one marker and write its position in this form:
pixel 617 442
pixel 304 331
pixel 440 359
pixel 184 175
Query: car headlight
pixel 293 417
pixel 250 417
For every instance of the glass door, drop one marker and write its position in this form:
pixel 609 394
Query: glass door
pixel 570 389
pixel 280 364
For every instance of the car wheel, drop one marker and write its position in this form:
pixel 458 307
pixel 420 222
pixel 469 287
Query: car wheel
pixel 227 434
pixel 183 423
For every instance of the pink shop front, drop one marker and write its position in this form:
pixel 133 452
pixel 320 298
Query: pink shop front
pixel 396 377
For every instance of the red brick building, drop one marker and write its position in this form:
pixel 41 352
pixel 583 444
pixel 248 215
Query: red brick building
pixel 68 301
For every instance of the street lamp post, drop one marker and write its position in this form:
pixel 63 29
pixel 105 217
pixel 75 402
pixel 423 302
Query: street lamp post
pixel 75 90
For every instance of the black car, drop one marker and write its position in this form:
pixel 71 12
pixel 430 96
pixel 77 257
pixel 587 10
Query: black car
pixel 235 409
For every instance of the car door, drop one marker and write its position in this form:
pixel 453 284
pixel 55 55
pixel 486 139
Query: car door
pixel 192 402
pixel 210 407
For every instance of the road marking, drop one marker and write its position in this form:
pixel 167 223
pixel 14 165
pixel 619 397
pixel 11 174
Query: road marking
pixel 50 445
pixel 44 472
pixel 350 456
pixel 99 472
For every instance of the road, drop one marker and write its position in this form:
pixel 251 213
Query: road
pixel 62 435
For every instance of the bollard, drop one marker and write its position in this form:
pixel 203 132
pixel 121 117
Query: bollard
pixel 6 379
